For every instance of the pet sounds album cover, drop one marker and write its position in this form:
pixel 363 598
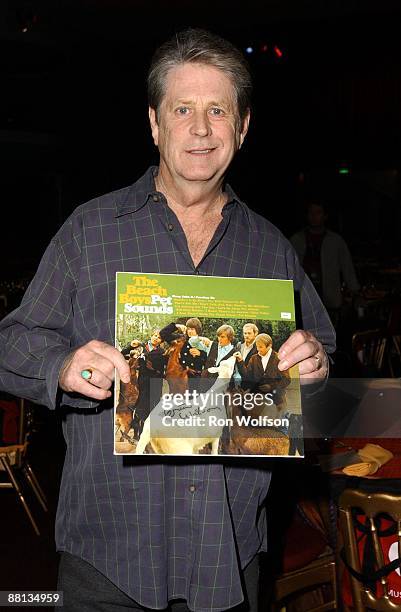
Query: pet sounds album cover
pixel 203 357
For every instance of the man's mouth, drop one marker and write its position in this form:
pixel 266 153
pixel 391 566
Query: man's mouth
pixel 200 151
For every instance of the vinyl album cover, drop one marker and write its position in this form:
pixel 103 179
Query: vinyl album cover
pixel 202 352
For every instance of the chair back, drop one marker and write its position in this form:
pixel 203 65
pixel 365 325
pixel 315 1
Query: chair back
pixel 16 421
pixel 13 457
pixel 368 349
pixel 372 592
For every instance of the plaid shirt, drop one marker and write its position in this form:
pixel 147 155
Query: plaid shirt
pixel 159 528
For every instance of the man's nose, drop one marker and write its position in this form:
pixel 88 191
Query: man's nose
pixel 201 125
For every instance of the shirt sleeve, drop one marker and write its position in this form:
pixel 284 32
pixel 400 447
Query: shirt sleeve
pixel 35 338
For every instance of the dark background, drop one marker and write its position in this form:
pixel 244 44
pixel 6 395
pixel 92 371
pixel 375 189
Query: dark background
pixel 73 111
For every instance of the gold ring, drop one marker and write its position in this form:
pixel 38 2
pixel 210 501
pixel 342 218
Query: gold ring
pixel 87 374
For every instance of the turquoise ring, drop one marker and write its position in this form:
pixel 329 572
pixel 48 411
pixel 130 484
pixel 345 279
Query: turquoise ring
pixel 87 374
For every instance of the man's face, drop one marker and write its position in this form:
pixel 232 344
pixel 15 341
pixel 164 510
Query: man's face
pixel 249 334
pixel 316 216
pixel 191 331
pixel 197 134
pixel 262 349
pixel 155 339
pixel 223 339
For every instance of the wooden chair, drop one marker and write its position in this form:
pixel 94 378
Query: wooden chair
pixel 317 573
pixel 368 351
pixel 309 562
pixel 13 460
pixel 394 338
pixel 394 355
pixel 372 504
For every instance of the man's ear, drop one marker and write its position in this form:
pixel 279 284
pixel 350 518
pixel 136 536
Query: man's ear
pixel 154 125
pixel 244 127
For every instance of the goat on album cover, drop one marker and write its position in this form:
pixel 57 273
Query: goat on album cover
pixel 203 357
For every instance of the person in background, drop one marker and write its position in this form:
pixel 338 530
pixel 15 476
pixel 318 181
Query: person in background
pixel 326 259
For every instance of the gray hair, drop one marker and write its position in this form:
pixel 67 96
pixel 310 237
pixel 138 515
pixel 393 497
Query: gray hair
pixel 194 45
pixel 264 339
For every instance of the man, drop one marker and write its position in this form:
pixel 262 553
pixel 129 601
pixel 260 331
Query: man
pixel 325 258
pixel 190 358
pixel 154 342
pixel 262 374
pixel 222 348
pixel 247 348
pixel 143 533
pixel 150 377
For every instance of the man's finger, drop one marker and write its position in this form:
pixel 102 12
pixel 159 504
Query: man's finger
pixel 116 358
pixel 85 388
pixel 98 379
pixel 93 355
pixel 95 362
pixel 310 366
pixel 299 354
pixel 297 338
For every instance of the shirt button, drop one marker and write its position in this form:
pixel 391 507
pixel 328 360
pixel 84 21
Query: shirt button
pixel 192 488
pixel 155 198
pixel 170 227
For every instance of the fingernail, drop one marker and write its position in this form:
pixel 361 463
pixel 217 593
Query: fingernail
pixel 283 365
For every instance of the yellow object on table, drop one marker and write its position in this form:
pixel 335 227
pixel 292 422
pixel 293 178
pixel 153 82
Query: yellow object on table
pixel 372 457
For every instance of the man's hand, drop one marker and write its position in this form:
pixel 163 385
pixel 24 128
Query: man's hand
pixel 194 352
pixel 237 356
pixel 304 349
pixel 100 359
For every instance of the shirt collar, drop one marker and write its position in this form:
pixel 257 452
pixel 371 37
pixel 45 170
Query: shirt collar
pixel 265 358
pixel 134 197
pixel 223 350
pixel 247 349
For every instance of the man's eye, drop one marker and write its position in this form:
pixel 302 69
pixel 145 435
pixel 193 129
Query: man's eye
pixel 217 112
pixel 182 110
